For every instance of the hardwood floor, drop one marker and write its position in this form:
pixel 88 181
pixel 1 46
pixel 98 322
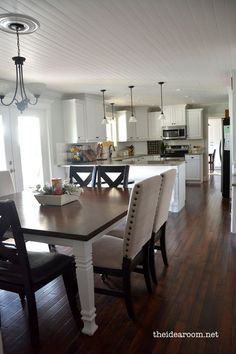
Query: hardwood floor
pixel 196 293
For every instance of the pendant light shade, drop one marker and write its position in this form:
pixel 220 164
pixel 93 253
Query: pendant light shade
pixel 161 116
pixel 104 120
pixel 132 117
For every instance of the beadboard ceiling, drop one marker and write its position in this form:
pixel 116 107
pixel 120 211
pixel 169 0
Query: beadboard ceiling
pixel 88 45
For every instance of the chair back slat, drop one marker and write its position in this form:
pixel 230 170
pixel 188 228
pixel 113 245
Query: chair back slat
pixel 14 258
pixel 82 175
pixel 141 212
pixel 162 211
pixel 113 175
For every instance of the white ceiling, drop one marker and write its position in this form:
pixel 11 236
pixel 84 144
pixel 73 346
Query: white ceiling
pixel 88 45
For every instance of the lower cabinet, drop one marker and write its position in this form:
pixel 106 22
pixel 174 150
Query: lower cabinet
pixel 194 168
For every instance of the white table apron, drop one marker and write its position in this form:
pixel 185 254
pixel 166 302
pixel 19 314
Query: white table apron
pixel 82 251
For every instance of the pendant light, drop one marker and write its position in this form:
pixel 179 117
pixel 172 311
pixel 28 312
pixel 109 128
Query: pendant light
pixel 112 111
pixel 104 120
pixel 132 117
pixel 19 24
pixel 161 116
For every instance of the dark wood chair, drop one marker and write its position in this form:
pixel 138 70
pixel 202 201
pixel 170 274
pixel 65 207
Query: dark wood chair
pixel 113 176
pixel 83 176
pixel 25 272
pixel 211 160
pixel 120 256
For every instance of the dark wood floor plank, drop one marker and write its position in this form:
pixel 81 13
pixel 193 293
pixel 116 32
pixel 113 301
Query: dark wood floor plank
pixel 196 293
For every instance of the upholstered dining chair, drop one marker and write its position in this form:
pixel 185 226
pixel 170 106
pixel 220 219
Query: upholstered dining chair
pixel 83 176
pixel 119 257
pixel 112 175
pixel 25 272
pixel 159 225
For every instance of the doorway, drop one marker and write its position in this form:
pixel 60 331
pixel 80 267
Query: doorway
pixel 214 142
pixel 24 147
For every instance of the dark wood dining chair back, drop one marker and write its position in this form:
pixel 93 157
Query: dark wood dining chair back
pixel 25 272
pixel 113 176
pixel 211 160
pixel 83 176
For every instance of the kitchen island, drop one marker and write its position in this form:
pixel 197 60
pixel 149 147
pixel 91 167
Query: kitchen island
pixel 147 167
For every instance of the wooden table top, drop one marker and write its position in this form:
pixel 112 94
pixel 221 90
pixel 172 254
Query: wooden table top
pixel 95 211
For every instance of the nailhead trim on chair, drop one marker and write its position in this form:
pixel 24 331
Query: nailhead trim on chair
pixel 134 205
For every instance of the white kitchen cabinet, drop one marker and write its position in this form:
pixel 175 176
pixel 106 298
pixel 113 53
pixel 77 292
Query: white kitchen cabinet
pixel 174 115
pixel 82 120
pixel 141 125
pixel 132 131
pixel 94 115
pixel 154 126
pixel 74 120
pixel 194 168
pixel 195 123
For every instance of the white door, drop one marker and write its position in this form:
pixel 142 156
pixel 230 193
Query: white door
pixel 24 149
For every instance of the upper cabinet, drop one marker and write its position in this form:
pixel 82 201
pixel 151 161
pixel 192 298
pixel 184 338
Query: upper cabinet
pixel 195 123
pixel 154 126
pixel 74 120
pixel 174 115
pixel 132 131
pixel 94 115
pixel 141 114
pixel 82 120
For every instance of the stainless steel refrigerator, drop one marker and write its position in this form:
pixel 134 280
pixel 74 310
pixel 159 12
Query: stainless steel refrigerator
pixel 225 158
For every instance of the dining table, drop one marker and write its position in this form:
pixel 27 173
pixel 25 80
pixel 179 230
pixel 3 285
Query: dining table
pixel 77 224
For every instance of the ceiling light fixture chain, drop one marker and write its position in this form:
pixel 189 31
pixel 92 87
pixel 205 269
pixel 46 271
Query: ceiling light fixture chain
pixel 162 116
pixel 104 120
pixel 16 23
pixel 112 111
pixel 132 117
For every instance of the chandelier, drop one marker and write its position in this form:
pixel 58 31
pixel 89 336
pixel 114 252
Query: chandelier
pixel 20 24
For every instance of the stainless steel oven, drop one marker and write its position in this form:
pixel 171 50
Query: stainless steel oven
pixel 177 132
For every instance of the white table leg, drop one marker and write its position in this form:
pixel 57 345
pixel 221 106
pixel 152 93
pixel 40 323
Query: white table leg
pixel 85 278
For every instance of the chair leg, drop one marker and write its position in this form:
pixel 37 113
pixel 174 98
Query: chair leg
pixel 152 260
pixel 71 286
pixel 146 267
pixel 22 298
pixel 33 319
pixel 127 288
pixel 52 248
pixel 163 244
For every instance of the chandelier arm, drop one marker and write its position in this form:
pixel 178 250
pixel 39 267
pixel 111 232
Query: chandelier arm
pixel 34 103
pixel 14 96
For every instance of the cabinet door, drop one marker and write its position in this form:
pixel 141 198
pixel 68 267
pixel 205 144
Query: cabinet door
pixel 154 126
pixel 195 123
pixel 125 131
pixel 193 167
pixel 179 115
pixel 167 122
pixel 74 121
pixel 142 123
pixel 94 114
pixel 80 118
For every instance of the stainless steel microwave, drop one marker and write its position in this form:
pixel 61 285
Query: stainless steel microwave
pixel 177 132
